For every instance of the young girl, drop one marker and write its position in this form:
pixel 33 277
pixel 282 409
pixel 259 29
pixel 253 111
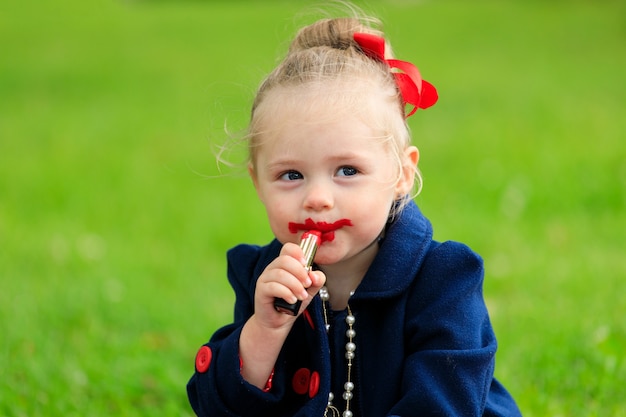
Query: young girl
pixel 391 323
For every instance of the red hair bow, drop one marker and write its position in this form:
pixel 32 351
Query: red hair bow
pixel 414 91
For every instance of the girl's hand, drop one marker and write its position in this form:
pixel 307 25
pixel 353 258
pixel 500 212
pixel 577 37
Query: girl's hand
pixel 264 333
pixel 287 278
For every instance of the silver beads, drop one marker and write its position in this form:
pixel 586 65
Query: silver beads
pixel 348 387
pixel 324 294
pixel 350 353
pixel 325 297
pixel 350 348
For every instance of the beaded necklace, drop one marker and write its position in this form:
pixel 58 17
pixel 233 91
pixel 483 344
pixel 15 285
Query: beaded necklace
pixel 331 410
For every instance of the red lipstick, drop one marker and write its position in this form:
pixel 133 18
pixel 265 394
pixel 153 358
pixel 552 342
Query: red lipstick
pixel 327 229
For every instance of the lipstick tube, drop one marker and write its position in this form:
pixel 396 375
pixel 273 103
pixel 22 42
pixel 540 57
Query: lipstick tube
pixel 309 244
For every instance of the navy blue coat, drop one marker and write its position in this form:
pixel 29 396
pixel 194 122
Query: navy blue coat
pixel 425 345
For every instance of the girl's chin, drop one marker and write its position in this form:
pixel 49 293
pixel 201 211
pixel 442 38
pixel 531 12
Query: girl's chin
pixel 322 258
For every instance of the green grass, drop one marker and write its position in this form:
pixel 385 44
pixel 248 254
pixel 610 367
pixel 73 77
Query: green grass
pixel 113 226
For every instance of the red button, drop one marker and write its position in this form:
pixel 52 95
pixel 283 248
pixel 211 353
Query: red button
pixel 308 318
pixel 300 381
pixel 203 359
pixel 314 384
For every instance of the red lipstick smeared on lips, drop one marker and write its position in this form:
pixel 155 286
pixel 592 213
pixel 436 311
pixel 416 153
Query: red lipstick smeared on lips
pixel 327 229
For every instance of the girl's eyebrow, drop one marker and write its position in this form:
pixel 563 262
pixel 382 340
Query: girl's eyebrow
pixel 350 158
pixel 338 158
pixel 282 163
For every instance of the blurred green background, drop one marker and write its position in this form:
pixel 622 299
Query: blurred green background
pixel 114 218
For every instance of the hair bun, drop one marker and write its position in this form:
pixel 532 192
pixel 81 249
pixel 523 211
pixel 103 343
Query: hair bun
pixel 333 33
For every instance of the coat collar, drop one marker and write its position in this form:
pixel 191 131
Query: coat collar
pixel 400 256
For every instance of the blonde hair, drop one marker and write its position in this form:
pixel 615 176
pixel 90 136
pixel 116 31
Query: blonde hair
pixel 325 54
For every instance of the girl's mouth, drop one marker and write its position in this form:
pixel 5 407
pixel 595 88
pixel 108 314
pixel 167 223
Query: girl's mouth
pixel 327 229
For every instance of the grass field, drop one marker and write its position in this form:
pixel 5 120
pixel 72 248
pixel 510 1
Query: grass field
pixel 114 220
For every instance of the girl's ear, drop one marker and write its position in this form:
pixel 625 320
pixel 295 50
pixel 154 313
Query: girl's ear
pixel 409 166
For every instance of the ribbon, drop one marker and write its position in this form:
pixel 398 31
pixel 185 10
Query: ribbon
pixel 414 90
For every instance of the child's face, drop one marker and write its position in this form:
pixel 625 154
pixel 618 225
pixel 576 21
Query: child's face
pixel 338 177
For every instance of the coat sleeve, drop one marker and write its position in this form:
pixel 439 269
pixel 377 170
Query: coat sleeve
pixel 217 388
pixel 449 339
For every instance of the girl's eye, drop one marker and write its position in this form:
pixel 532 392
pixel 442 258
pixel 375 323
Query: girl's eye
pixel 347 171
pixel 291 176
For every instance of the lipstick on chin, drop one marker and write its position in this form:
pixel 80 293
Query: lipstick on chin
pixel 309 243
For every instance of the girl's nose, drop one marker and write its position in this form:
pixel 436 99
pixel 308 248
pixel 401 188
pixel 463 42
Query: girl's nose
pixel 318 198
